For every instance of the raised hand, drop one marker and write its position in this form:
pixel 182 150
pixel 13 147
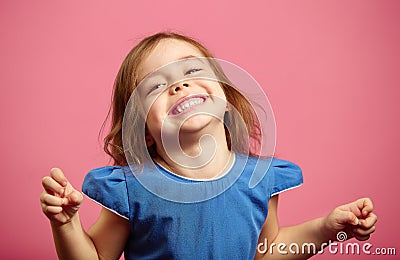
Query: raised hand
pixel 355 218
pixel 59 200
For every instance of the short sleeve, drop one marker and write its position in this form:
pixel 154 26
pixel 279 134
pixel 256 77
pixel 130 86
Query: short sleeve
pixel 107 186
pixel 284 176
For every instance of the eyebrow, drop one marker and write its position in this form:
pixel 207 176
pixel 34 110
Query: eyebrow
pixel 181 58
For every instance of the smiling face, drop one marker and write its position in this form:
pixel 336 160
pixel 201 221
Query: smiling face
pixel 177 92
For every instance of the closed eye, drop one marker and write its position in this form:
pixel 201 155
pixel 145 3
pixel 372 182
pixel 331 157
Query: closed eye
pixel 155 87
pixel 192 71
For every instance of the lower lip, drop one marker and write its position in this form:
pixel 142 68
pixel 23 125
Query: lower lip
pixel 187 110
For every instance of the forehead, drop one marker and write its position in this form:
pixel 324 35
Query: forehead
pixel 166 51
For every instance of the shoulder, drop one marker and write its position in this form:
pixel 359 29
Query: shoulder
pixel 107 177
pixel 284 164
pixel 271 173
pixel 267 164
pixel 107 186
pixel 284 175
pixel 105 173
pixel 272 164
pixel 252 161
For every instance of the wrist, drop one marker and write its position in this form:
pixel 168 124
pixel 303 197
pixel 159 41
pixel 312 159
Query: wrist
pixel 67 225
pixel 326 230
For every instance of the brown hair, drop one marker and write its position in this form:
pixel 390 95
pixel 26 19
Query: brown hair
pixel 127 80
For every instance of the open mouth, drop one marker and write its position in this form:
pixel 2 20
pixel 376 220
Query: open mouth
pixel 187 103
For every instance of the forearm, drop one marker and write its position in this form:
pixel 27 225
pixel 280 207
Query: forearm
pixel 298 242
pixel 72 242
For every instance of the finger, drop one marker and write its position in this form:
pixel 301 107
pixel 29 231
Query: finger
pixel 354 208
pixel 51 200
pixel 58 176
pixel 363 232
pixel 52 209
pixel 369 221
pixel 42 196
pixel 365 205
pixel 362 238
pixel 75 198
pixel 52 186
pixel 350 218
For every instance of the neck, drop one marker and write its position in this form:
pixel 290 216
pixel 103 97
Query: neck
pixel 200 155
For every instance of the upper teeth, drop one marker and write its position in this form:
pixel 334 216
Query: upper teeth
pixel 189 103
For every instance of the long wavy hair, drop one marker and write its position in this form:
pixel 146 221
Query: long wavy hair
pixel 127 80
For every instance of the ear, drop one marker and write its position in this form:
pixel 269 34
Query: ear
pixel 149 139
pixel 228 107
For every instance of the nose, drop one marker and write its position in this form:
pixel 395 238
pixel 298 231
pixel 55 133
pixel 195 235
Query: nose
pixel 178 87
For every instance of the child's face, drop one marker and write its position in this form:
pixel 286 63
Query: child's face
pixel 165 103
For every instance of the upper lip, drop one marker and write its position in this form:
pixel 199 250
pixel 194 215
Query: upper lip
pixel 174 108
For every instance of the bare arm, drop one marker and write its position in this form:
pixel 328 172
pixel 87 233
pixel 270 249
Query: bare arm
pixel 60 203
pixel 355 218
pixel 72 242
pixel 109 234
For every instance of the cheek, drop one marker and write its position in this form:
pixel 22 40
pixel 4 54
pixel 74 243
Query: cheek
pixel 155 118
pixel 153 129
pixel 156 107
pixel 215 88
pixel 221 93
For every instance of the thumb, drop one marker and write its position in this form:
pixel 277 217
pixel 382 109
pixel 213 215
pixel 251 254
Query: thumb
pixel 73 199
pixel 350 218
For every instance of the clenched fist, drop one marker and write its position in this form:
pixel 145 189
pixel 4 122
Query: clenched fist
pixel 59 200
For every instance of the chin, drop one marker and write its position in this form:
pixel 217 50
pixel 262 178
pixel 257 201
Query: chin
pixel 199 123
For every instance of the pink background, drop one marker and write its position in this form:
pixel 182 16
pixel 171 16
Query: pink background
pixel 330 69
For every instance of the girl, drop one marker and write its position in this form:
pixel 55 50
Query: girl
pixel 157 206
